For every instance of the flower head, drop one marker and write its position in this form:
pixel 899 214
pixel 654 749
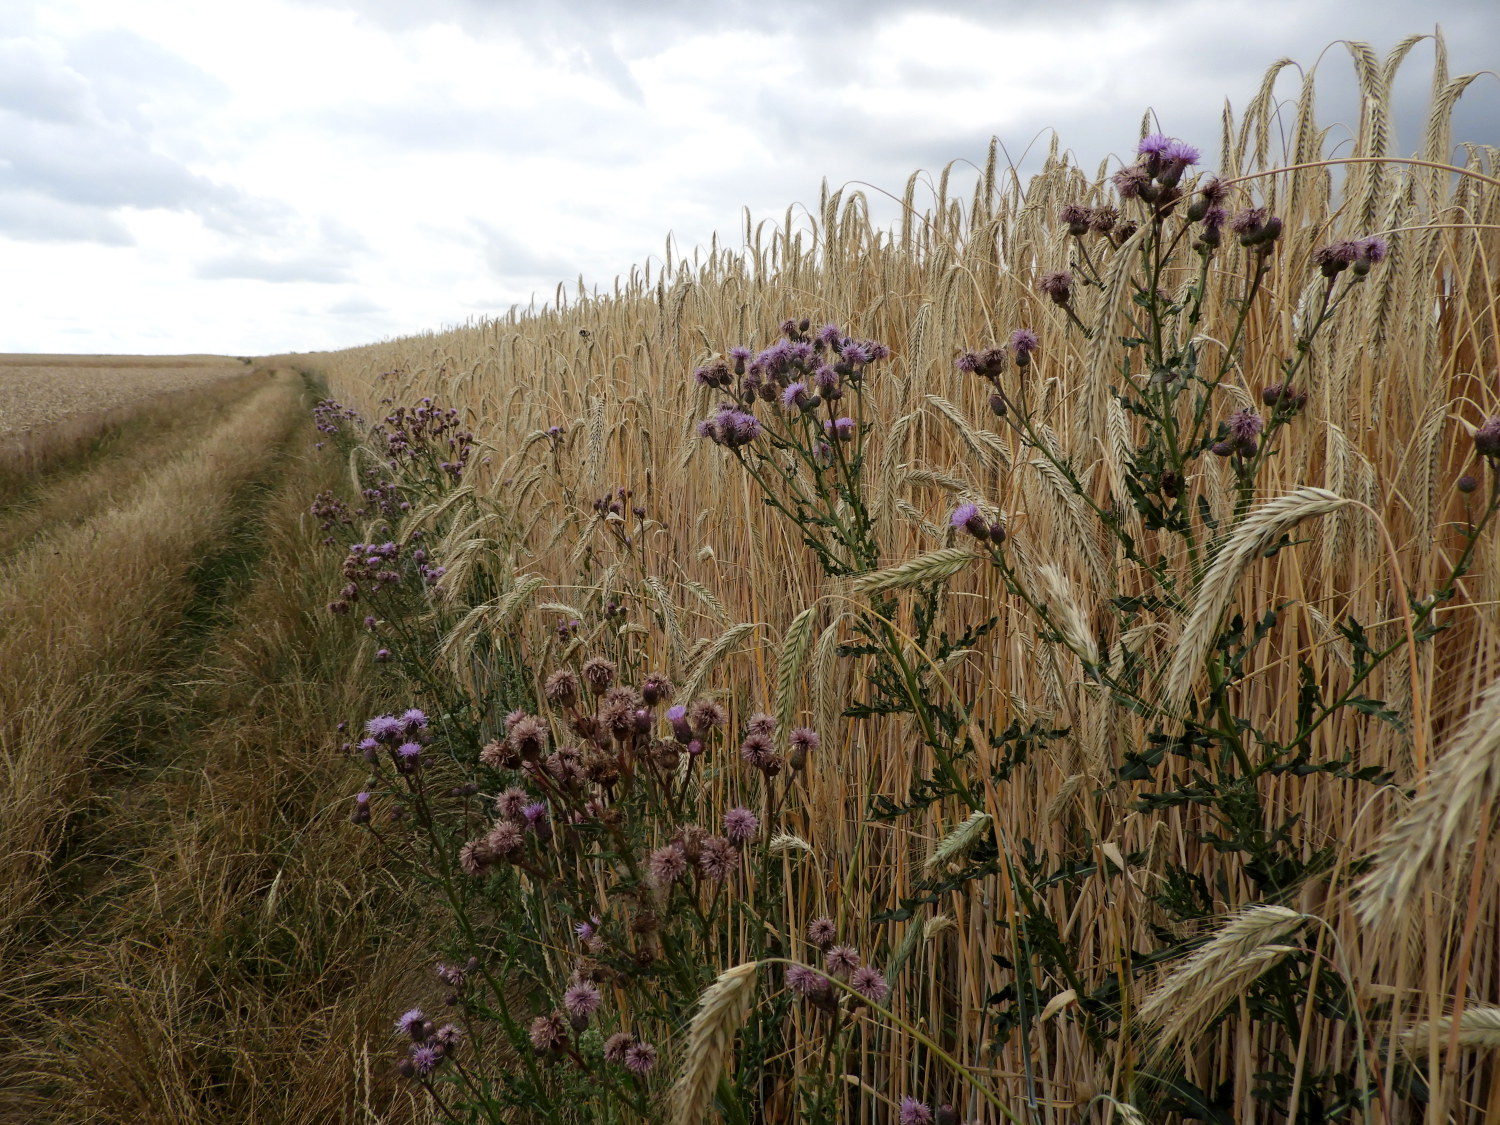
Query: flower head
pixel 914 1112
pixel 412 1023
pixel 1487 439
pixel 1023 341
pixel 807 982
pixel 1058 286
pixel 549 1033
pixel 582 1000
pixel 869 982
pixel 717 858
pixel 841 961
pixel 740 825
pixel 424 1058
pixel 667 865
pixel 821 932
pixel 640 1057
pixel 385 728
pixel 561 688
pixel 413 721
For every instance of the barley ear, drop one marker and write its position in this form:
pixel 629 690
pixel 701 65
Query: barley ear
pixel 721 1012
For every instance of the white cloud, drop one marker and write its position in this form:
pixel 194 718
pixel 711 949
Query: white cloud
pixel 312 173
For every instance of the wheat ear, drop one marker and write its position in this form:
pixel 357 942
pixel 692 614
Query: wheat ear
pixel 721 1012
pixel 1194 993
pixel 931 567
pixel 1444 821
pixel 1261 530
pixel 960 841
pixel 1478 1028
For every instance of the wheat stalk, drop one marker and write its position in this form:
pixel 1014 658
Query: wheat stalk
pixel 721 1011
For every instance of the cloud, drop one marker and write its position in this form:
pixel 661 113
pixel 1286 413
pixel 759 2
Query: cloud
pixel 37 218
pixel 258 267
pixel 82 140
pixel 509 257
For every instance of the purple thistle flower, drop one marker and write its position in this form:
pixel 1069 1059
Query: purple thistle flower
pixel 511 802
pixel 640 1058
pixel 582 1000
pixel 705 715
pixel 841 429
pixel 1131 180
pixel 413 721
pixel 740 825
pixel 450 975
pixel 757 750
pixel 841 961
pixel 795 396
pixel 1058 286
pixel 761 723
pixel 1487 438
pixel 966 517
pixel 1373 249
pixel 718 859
pixel 408 756
pixel 681 728
pixel 821 932
pixel 869 982
pixel 411 1024
pixel 1180 153
pixel 424 1059
pixel 616 1046
pixel 807 982
pixel 805 739
pixel 1023 341
pixel 549 1033
pixel 667 865
pixel 561 688
pixel 448 1037
pixel 585 930
pixel 914 1112
pixel 968 363
pixel 857 353
pixel 505 839
pixel 1244 427
pixel 1156 144
pixel 534 813
pixel 384 728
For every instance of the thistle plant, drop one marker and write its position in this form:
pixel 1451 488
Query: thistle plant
pixel 1178 418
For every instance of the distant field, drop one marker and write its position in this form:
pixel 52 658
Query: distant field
pixel 36 390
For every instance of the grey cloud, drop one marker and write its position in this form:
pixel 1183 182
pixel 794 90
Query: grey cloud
pixel 38 218
pixel 73 136
pixel 355 306
pixel 507 256
pixel 32 85
pixel 257 267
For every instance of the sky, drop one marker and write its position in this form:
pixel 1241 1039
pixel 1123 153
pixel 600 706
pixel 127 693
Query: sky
pixel 267 176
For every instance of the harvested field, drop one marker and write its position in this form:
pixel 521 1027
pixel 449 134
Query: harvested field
pixel 37 390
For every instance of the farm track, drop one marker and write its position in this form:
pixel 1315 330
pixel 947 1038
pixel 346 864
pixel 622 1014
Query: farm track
pixel 197 937
pixel 105 466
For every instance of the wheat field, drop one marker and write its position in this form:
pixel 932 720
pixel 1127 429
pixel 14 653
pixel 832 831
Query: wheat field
pixel 1035 893
pixel 1406 374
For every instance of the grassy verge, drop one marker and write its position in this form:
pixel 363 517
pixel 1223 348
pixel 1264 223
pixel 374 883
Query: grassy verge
pixel 211 936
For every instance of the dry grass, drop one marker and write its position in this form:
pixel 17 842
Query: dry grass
pixel 1413 355
pixel 189 934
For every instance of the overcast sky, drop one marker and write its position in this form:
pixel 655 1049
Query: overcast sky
pixel 272 175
